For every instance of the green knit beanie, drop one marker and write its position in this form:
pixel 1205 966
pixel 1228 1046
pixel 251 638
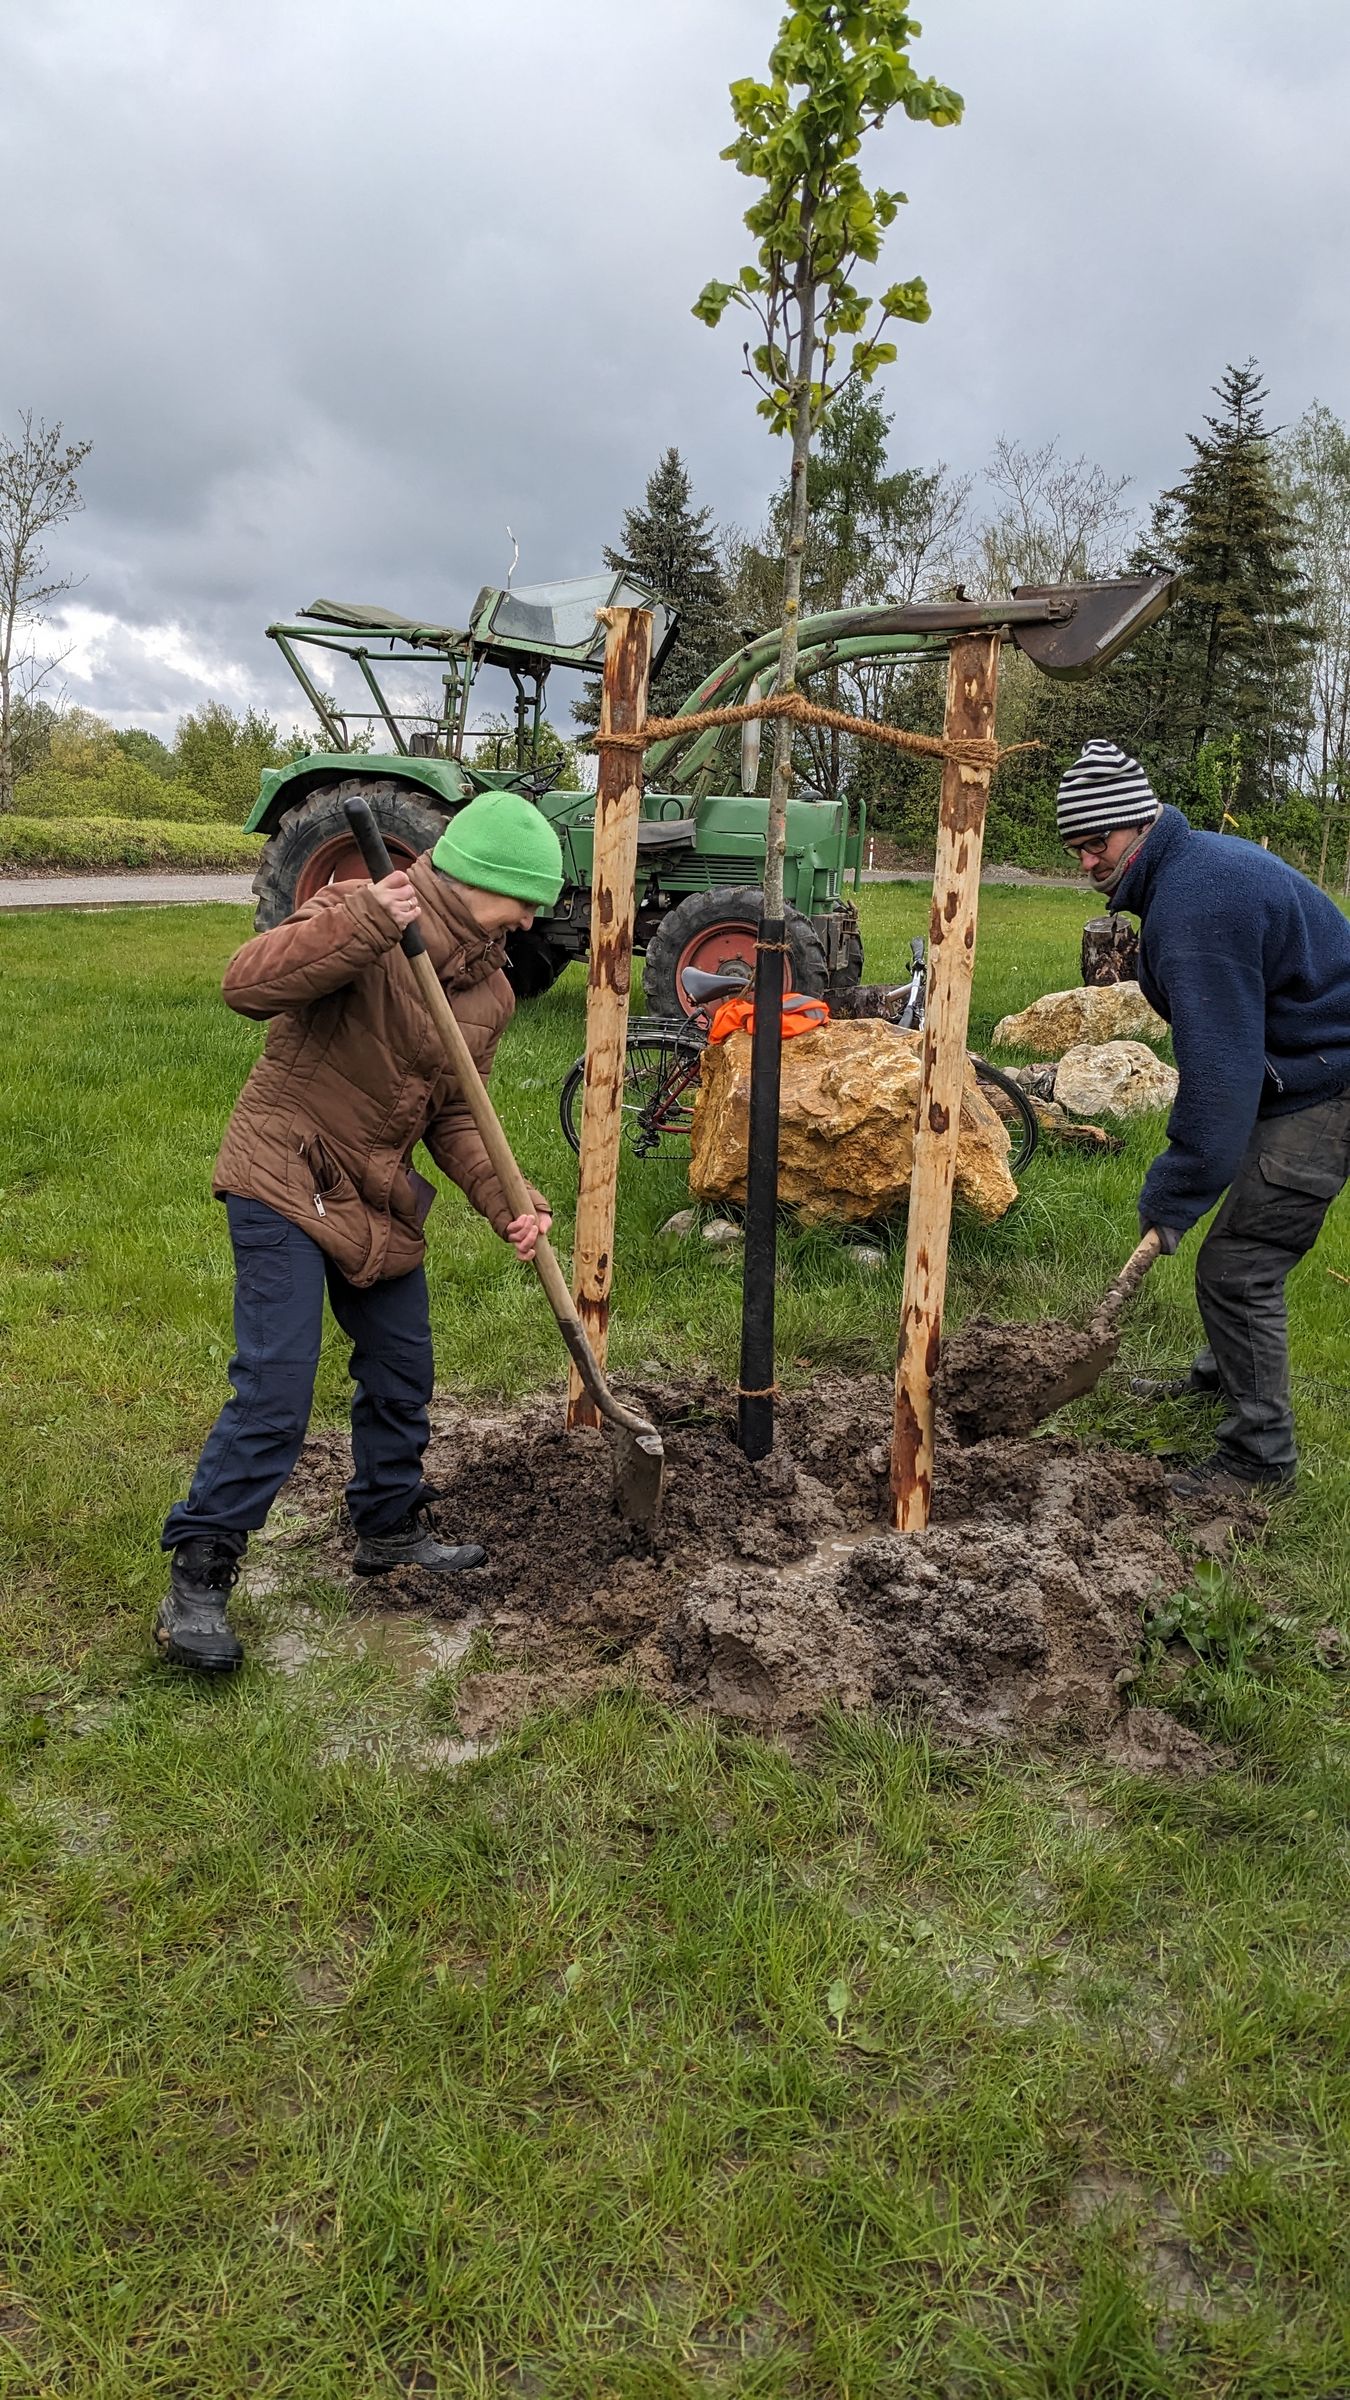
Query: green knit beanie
pixel 500 843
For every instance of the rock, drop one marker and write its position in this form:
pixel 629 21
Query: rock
pixel 1061 1128
pixel 678 1227
pixel 1113 1079
pixel 720 1234
pixel 846 1144
pixel 1037 1081
pixel 1110 1012
pixel 866 1256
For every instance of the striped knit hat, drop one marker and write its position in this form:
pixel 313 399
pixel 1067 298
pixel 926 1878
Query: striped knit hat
pixel 1102 790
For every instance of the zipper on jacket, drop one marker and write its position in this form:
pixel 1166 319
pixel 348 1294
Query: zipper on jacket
pixel 318 1204
pixel 1277 1080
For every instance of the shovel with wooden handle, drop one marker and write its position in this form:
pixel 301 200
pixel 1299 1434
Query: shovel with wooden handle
pixel 1004 1379
pixel 639 1456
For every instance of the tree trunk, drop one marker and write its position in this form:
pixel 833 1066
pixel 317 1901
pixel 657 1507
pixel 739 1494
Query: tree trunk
pixel 780 788
pixel 6 746
pixel 618 802
pixel 972 691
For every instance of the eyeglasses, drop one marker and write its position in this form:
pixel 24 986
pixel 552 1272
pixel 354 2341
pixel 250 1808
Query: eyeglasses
pixel 1096 847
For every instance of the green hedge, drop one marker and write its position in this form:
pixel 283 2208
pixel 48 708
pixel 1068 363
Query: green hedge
pixel 78 844
pixel 122 788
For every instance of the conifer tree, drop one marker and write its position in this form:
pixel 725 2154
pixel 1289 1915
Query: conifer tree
pixel 1212 698
pixel 671 545
pixel 1239 637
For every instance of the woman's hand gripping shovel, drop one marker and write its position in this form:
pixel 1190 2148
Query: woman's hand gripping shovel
pixel 639 1457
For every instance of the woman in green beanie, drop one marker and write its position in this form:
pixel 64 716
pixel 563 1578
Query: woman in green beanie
pixel 322 1197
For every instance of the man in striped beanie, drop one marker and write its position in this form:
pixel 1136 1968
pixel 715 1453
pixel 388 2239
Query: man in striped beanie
pixel 1249 964
pixel 1106 805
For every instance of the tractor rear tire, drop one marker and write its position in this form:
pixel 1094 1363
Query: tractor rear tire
pixel 314 845
pixel 713 929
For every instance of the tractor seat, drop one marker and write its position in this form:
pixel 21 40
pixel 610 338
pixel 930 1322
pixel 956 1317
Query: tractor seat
pixel 713 987
pixel 667 833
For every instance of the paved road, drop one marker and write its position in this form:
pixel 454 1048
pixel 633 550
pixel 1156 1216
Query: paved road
pixel 120 891
pixel 173 891
pixel 1016 875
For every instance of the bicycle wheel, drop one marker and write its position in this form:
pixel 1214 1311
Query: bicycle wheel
pixel 1024 1129
pixel 655 1117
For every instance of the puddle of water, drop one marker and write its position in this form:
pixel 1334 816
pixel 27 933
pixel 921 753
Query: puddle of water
pixel 402 1748
pixel 416 1647
pixel 830 1555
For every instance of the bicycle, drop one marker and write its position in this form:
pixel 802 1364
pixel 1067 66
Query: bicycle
pixel 661 1068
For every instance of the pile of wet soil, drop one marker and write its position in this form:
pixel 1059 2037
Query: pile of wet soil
pixel 1007 1379
pixel 772 1590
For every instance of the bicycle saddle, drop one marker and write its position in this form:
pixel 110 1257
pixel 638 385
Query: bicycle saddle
pixel 714 987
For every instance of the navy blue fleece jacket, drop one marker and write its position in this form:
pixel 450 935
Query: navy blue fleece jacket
pixel 1250 965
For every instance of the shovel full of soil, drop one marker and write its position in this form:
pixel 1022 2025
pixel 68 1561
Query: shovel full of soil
pixel 1005 1379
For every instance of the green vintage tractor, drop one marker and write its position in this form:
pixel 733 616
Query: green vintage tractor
pixel 700 845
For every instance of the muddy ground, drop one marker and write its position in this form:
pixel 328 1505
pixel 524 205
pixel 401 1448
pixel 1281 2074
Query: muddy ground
pixel 772 1590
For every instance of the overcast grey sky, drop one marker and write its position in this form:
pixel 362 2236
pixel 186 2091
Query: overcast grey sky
pixel 338 290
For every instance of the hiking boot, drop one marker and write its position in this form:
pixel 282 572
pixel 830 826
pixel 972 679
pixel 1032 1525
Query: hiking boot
pixel 191 1629
pixel 413 1543
pixel 1222 1480
pixel 1172 1387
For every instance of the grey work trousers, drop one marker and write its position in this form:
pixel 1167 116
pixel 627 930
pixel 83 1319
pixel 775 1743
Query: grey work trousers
pixel 1273 1213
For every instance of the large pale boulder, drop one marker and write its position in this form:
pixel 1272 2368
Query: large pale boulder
pixel 1112 1012
pixel 846 1141
pixel 1113 1079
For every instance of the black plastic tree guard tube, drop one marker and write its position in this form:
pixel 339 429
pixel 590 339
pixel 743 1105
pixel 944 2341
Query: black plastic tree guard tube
pixel 754 1415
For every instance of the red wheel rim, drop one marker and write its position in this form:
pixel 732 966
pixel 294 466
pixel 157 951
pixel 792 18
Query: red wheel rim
pixel 338 860
pixel 716 951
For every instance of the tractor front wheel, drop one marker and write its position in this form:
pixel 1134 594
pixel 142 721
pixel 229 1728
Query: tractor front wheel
pixel 716 933
pixel 534 963
pixel 314 845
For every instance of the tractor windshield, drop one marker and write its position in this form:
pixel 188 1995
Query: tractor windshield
pixel 557 621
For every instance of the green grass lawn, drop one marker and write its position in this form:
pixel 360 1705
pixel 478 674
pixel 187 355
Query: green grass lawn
pixel 638 2058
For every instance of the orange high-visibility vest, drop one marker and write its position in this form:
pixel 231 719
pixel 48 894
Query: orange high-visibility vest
pixel 800 1015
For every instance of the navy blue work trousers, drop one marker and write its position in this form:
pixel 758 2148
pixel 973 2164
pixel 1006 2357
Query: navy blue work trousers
pixel 280 1280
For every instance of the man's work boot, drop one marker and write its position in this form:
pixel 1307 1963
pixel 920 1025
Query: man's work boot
pixel 192 1629
pixel 1189 1386
pixel 412 1543
pixel 1223 1479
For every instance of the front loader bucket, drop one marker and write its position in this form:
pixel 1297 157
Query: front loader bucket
pixel 1105 618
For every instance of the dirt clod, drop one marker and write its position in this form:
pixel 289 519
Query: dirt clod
pixel 1149 1742
pixel 774 1590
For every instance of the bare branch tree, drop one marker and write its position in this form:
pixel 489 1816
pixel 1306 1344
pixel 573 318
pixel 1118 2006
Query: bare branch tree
pixel 1056 520
pixel 38 489
pixel 1314 461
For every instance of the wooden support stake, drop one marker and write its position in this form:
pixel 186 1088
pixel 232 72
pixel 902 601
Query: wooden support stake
pixel 972 689
pixel 618 802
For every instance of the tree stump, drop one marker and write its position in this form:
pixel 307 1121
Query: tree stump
pixel 1110 951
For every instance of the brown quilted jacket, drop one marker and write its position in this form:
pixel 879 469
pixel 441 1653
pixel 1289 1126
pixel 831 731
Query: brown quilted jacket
pixel 353 1074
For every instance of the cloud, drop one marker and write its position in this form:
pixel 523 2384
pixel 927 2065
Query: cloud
pixel 338 291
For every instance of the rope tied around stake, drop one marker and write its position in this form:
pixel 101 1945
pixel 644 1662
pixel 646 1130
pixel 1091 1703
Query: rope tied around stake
pixel 981 752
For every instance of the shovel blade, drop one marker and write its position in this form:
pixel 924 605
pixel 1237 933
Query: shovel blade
pixel 639 1475
pixel 1082 1376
